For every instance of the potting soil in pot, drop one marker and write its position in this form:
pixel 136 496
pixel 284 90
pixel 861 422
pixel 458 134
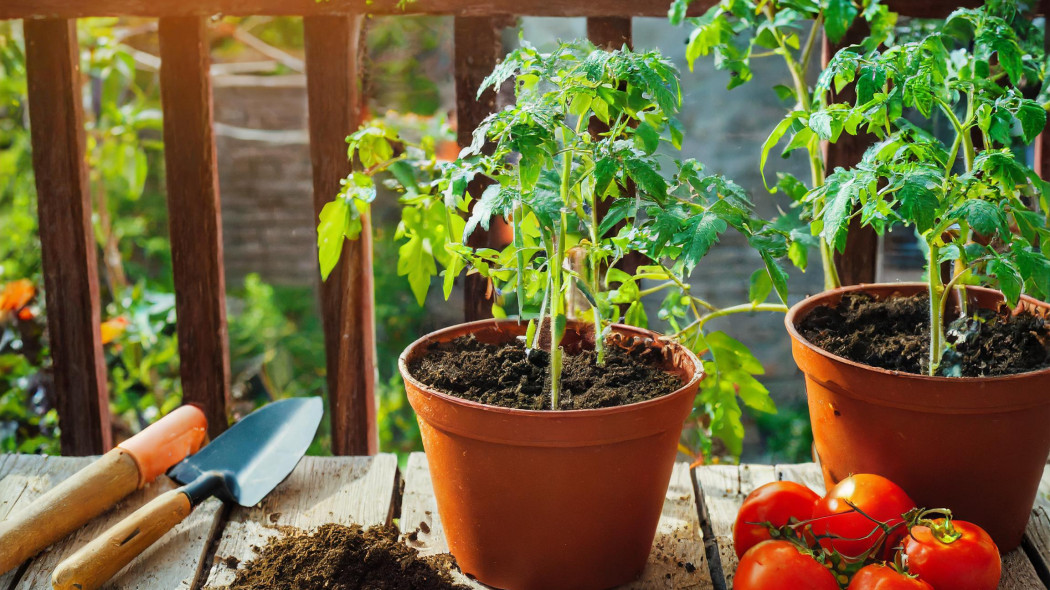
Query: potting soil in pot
pixel 894 334
pixel 509 376
pixel 338 557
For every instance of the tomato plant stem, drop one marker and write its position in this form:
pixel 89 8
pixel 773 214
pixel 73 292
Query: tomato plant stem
pixel 936 292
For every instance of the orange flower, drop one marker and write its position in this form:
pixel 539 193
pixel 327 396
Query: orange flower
pixel 16 295
pixel 25 314
pixel 112 329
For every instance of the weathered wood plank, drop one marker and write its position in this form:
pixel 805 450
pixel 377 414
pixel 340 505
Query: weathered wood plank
pixel 67 239
pixel 807 474
pixel 345 490
pixel 678 536
pixel 613 8
pixel 1042 143
pixel 1018 573
pixel 1037 542
pixel 194 217
pixel 477 50
pixel 172 562
pixel 724 488
pixel 25 478
pixel 677 558
pixel 333 74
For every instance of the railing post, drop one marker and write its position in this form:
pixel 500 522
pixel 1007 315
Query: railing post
pixel 859 263
pixel 477 50
pixel 66 238
pixel 194 217
pixel 610 33
pixel 333 74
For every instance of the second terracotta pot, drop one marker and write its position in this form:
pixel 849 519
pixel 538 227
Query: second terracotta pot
pixel 974 445
pixel 550 499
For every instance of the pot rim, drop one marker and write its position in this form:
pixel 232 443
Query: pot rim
pixel 588 413
pixel 796 309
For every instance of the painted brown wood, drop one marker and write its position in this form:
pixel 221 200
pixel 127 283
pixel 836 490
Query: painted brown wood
pixel 610 33
pixel 333 74
pixel 588 8
pixel 477 50
pixel 859 262
pixel 194 217
pixel 66 237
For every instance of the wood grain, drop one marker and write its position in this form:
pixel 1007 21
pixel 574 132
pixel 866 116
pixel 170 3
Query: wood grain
pixel 333 74
pixel 67 239
pixel 678 535
pixel 477 50
pixel 724 488
pixel 1036 542
pixel 101 558
pixel 24 479
pixel 194 218
pixel 656 8
pixel 172 562
pixel 345 490
pixel 66 507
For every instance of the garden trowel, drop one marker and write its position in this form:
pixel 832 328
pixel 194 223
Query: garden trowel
pixel 97 487
pixel 240 466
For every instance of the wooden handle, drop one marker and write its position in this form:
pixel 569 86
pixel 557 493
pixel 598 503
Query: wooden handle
pixel 102 558
pixel 66 507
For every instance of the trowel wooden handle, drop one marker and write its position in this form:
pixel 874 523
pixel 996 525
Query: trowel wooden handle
pixel 98 561
pixel 67 507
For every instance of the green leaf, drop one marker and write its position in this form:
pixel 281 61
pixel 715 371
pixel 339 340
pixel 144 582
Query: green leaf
pixel 838 17
pixel 496 200
pixel 771 142
pixel 1033 118
pixel 1009 279
pixel 820 122
pixel 331 231
pixel 984 217
pixel 647 137
pixel 760 286
pixel 777 275
pixel 918 203
pixel 635 315
pixel 644 173
pixel 700 233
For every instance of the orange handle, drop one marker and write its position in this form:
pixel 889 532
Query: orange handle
pixel 166 442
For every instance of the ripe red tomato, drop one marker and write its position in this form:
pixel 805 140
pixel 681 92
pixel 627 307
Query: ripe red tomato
pixel 777 503
pixel 880 577
pixel 970 562
pixel 779 565
pixel 877 496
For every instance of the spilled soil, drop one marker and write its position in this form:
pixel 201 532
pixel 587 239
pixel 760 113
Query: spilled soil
pixel 338 557
pixel 894 334
pixel 508 375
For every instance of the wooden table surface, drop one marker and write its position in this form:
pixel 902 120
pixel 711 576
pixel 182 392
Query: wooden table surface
pixel 693 548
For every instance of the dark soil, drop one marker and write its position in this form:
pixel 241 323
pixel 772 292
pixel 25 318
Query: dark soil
pixel 338 557
pixel 894 334
pixel 505 375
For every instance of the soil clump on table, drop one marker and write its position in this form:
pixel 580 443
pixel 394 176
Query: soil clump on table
pixel 894 334
pixel 510 376
pixel 338 557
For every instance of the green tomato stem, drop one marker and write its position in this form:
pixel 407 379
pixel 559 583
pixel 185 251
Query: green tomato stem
pixel 937 292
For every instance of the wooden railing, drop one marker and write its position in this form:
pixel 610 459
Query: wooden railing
pixel 333 30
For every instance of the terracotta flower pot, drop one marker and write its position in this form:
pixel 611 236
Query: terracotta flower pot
pixel 550 499
pixel 974 445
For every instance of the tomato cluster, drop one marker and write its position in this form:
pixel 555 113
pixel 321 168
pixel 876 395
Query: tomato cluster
pixel 865 534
